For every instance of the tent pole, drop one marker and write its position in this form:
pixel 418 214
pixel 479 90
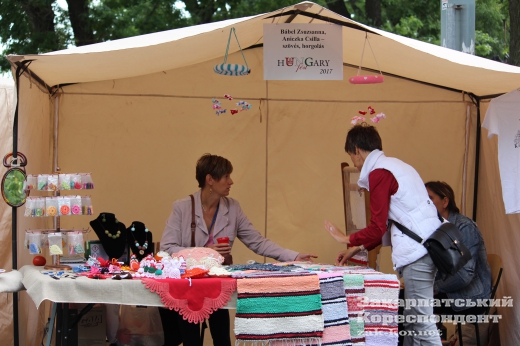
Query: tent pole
pixel 476 101
pixel 55 167
pixel 14 244
pixel 16 340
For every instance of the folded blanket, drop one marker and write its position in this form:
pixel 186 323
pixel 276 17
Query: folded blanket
pixel 355 290
pixel 335 313
pixel 279 309
pixel 381 304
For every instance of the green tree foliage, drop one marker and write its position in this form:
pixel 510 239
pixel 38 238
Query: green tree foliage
pixel 491 35
pixel 29 27
pixel 115 19
pixel 40 26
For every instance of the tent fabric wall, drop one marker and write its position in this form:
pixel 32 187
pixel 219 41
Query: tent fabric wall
pixel 286 150
pixel 35 138
pixel 140 137
pixel 500 233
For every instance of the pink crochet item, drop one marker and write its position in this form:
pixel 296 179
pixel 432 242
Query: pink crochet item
pixel 200 257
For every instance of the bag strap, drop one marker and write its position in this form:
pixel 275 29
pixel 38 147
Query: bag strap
pixel 406 231
pixel 411 234
pixel 192 221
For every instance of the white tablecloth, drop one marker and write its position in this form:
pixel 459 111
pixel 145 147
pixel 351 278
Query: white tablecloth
pixel 84 290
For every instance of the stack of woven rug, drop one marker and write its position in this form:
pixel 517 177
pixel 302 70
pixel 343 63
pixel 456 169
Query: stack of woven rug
pixel 279 310
pixel 354 285
pixel 381 305
pixel 335 313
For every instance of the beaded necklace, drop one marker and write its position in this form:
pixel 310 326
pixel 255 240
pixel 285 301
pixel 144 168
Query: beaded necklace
pixel 142 248
pixel 107 232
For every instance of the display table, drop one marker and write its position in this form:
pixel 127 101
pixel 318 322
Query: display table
pixel 84 290
pixel 367 293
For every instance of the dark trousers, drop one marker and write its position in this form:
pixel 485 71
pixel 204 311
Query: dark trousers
pixel 178 330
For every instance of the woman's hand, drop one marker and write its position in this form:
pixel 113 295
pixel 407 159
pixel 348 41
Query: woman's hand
pixel 345 255
pixel 305 257
pixel 336 233
pixel 222 249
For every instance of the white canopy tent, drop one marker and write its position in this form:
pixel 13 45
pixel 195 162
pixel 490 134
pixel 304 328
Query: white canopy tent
pixel 137 114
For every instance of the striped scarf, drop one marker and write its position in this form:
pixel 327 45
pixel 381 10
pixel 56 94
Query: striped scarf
pixel 279 310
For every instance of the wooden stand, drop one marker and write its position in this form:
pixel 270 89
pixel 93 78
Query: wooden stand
pixel 56 264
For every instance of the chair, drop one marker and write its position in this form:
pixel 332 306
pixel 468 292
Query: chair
pixel 356 215
pixel 495 263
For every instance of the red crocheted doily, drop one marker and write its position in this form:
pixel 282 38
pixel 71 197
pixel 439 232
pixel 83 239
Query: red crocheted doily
pixel 196 299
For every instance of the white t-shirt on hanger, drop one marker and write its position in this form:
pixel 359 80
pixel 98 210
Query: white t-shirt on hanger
pixel 503 119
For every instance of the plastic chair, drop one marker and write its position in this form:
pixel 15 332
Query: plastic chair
pixel 495 263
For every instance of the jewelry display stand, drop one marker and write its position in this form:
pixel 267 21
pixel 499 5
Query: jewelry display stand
pixel 140 240
pixel 111 233
pixel 53 211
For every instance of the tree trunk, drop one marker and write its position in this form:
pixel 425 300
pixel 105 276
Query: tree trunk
pixel 514 32
pixel 202 10
pixel 339 7
pixel 41 19
pixel 373 12
pixel 80 22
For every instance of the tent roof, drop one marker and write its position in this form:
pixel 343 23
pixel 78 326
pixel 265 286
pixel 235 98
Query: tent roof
pixel 177 48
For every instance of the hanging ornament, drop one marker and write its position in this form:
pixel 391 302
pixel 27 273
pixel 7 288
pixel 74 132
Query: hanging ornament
pixel 367 79
pixel 232 69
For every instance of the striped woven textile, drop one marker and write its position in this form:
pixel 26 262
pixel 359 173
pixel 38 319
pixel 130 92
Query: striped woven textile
pixel 354 285
pixel 279 309
pixel 335 313
pixel 381 305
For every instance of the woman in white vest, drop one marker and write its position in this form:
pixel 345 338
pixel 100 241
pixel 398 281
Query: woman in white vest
pixel 397 192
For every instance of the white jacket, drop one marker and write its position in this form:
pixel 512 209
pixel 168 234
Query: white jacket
pixel 410 206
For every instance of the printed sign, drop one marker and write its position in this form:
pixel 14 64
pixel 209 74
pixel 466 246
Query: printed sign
pixel 303 52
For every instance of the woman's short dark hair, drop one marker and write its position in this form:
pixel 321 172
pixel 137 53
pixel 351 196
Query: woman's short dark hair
pixel 214 165
pixel 442 189
pixel 364 137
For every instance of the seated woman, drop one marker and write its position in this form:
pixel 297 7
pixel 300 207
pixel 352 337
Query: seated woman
pixel 216 215
pixel 473 281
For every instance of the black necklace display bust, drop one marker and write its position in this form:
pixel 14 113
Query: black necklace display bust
pixel 139 239
pixel 112 234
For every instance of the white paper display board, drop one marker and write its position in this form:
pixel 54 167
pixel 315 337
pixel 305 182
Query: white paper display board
pixel 303 52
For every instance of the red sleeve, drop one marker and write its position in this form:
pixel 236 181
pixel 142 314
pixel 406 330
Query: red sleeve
pixel 382 185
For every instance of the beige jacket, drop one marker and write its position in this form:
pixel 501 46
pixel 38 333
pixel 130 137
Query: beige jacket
pixel 231 222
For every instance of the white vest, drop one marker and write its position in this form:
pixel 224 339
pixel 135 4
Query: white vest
pixel 410 206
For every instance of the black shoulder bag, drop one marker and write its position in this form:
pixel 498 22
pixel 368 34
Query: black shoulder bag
pixel 444 246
